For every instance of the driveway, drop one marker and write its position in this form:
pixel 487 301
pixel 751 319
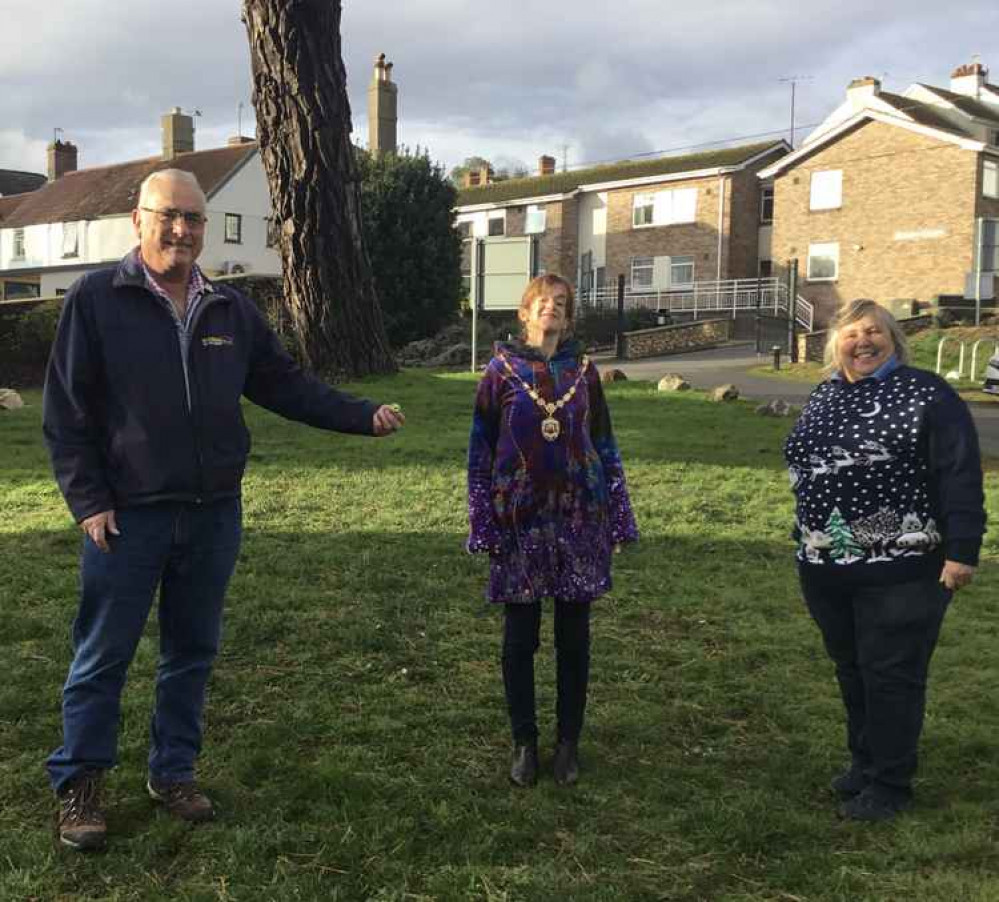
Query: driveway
pixel 706 369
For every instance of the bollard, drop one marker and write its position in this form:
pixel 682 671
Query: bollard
pixel 776 350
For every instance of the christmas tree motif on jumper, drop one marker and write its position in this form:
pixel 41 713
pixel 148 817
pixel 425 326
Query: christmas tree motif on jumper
pixel 843 547
pixel 876 531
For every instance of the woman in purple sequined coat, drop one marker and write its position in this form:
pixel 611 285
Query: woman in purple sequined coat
pixel 547 501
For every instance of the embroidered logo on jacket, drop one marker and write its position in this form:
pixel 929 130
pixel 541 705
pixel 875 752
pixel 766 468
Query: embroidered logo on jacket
pixel 217 341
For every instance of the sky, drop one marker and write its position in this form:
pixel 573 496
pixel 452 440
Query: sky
pixel 584 81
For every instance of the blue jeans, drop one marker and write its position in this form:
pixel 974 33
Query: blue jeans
pixel 188 553
pixel 881 639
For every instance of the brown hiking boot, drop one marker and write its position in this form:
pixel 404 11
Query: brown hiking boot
pixel 81 820
pixel 183 800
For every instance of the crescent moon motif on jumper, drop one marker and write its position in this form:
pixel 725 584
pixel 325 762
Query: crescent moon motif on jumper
pixel 874 411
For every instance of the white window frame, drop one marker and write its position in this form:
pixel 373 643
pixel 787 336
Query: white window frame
pixel 642 264
pixel 826 190
pixel 767 200
pixel 496 217
pixel 989 253
pixel 17 250
pixel 674 264
pixel 823 250
pixel 675 206
pixel 990 178
pixel 233 228
pixel 535 220
pixel 642 210
pixel 70 239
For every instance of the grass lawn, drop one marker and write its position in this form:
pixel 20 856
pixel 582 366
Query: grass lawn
pixel 923 346
pixel 356 732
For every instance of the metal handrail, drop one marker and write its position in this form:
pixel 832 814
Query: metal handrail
pixel 729 295
pixel 974 354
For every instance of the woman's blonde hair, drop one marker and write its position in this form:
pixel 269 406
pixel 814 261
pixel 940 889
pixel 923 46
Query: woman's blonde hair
pixel 851 313
pixel 544 286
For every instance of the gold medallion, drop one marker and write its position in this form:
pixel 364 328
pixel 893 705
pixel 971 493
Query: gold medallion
pixel 550 429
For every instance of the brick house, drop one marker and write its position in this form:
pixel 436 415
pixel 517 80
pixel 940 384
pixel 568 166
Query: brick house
pixel 894 196
pixel 663 223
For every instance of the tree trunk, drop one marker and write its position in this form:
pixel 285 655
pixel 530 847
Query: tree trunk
pixel 303 127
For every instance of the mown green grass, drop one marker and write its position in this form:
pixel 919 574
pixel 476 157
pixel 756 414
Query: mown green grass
pixel 356 733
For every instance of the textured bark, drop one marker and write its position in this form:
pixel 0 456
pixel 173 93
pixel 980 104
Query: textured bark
pixel 303 127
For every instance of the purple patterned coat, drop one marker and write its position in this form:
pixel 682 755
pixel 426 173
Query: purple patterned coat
pixel 548 513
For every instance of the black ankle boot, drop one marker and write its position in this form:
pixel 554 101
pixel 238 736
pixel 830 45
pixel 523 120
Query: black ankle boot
pixel 566 764
pixel 524 766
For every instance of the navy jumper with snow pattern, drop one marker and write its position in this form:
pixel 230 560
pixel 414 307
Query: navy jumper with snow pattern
pixel 888 479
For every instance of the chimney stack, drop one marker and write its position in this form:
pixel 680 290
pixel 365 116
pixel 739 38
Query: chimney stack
pixel 860 89
pixel 969 79
pixel 546 165
pixel 61 159
pixel 178 133
pixel 383 97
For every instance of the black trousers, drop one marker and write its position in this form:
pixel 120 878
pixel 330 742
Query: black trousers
pixel 521 638
pixel 881 639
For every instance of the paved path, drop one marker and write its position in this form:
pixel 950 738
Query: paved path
pixel 706 369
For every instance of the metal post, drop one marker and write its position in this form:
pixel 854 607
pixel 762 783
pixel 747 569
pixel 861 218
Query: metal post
pixel 978 272
pixel 478 285
pixel 619 343
pixel 792 296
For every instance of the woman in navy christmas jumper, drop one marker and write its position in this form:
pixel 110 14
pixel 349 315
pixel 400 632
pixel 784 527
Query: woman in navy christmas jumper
pixel 885 465
pixel 547 501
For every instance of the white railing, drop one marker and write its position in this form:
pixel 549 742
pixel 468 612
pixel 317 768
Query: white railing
pixel 708 298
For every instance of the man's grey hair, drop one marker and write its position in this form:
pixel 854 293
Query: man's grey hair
pixel 851 313
pixel 179 175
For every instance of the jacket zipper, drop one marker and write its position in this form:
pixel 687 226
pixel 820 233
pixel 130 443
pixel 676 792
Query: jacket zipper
pixel 208 298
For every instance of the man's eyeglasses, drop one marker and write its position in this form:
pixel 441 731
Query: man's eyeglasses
pixel 169 217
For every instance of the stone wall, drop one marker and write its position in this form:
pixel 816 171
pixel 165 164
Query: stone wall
pixel 662 340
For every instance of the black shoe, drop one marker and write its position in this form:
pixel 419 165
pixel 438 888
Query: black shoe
pixel 566 764
pixel 873 805
pixel 524 766
pixel 850 783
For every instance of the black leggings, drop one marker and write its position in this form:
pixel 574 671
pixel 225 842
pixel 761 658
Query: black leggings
pixel 521 638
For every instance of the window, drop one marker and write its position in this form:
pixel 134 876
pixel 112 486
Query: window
pixel 641 273
pixel 497 225
pixel 70 239
pixel 767 205
pixel 766 269
pixel 681 272
pixel 586 273
pixel 233 228
pixel 18 253
pixel 665 207
pixel 990 178
pixel 16 291
pixel 535 222
pixel 641 214
pixel 990 245
pixel 823 262
pixel 465 229
pixel 826 190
